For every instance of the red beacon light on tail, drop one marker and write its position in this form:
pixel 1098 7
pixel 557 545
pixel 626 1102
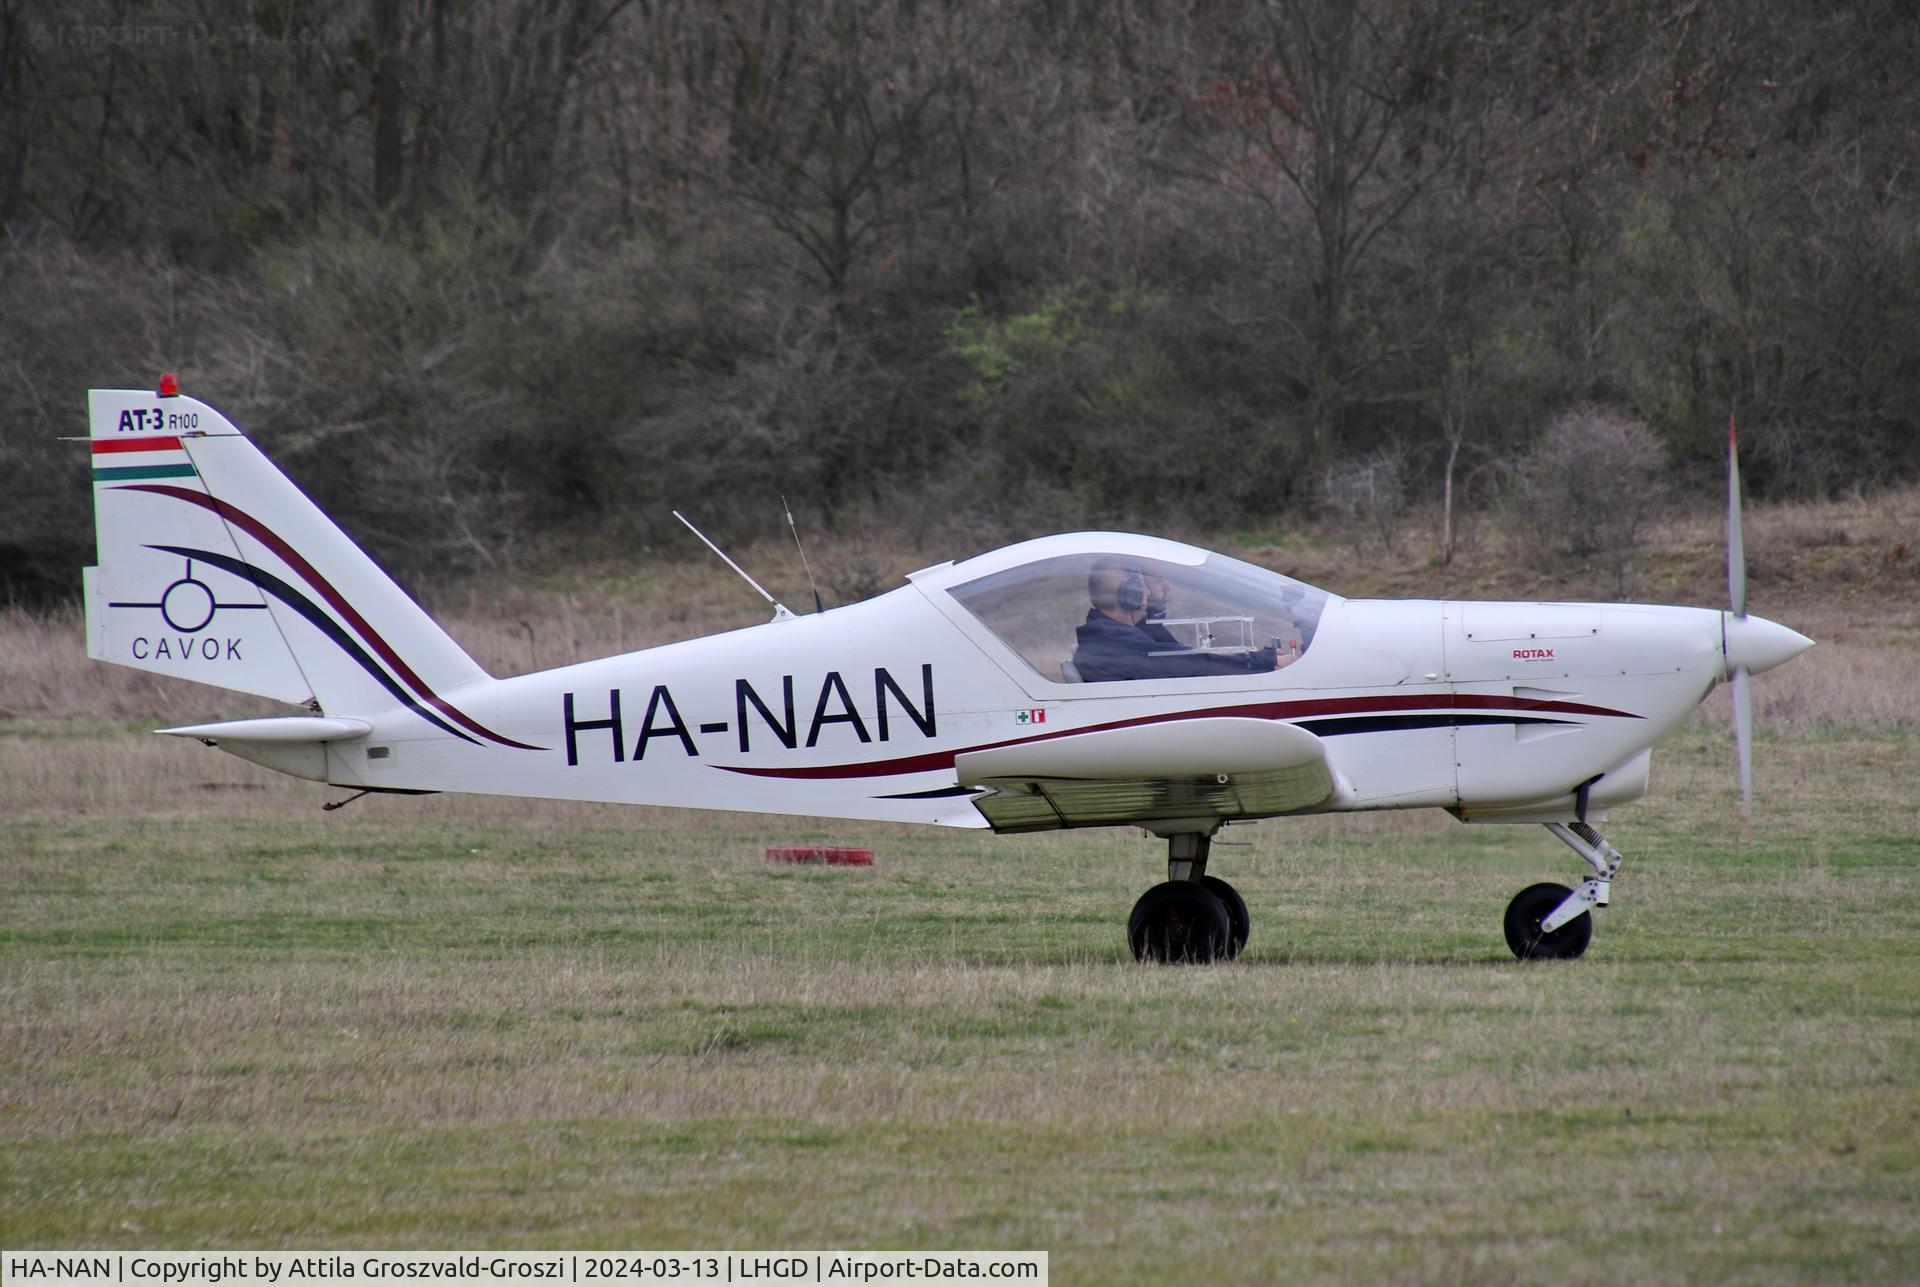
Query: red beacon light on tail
pixel 169 387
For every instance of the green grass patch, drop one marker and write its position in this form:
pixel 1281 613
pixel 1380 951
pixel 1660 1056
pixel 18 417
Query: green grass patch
pixel 229 1020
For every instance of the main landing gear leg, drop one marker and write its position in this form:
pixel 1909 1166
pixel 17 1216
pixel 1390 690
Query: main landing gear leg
pixel 1549 921
pixel 1193 918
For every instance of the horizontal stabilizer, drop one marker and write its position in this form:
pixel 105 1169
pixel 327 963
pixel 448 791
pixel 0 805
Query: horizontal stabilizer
pixel 292 744
pixel 1176 772
pixel 279 729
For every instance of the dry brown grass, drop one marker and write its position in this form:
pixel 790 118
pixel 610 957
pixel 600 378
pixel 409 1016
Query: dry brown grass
pixel 1823 559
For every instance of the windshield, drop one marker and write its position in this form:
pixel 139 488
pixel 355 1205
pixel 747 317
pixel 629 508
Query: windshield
pixel 1096 617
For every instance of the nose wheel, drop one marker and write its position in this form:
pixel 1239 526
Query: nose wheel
pixel 1551 922
pixel 1191 918
pixel 1526 915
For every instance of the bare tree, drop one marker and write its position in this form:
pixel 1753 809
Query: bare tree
pixel 834 120
pixel 1335 117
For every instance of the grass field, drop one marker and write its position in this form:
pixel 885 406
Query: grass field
pixel 228 1019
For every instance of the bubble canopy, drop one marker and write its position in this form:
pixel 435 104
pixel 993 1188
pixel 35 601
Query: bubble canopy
pixel 1208 614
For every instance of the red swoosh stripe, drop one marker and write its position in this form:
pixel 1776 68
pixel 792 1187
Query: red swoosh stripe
pixel 336 600
pixel 933 760
pixel 108 446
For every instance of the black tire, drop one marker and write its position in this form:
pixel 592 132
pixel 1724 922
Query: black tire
pixel 1239 924
pixel 1531 906
pixel 1179 922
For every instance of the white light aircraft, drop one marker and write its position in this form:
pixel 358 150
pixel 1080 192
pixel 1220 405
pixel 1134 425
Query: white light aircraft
pixel 1086 680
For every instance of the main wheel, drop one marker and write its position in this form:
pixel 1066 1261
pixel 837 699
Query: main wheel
pixel 1529 942
pixel 1181 923
pixel 1239 924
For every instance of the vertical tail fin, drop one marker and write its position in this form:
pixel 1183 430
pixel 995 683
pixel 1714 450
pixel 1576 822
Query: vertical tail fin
pixel 214 567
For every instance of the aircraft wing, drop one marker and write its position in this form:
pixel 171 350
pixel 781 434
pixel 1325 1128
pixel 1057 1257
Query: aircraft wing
pixel 1175 772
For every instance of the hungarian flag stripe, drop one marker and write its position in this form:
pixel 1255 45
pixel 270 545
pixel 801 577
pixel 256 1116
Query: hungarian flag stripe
pixel 108 446
pixel 121 473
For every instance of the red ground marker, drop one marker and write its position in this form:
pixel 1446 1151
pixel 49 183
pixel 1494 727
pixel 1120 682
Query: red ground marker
pixel 832 855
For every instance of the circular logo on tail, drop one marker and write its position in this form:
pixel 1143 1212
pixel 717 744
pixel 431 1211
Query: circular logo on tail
pixel 188 604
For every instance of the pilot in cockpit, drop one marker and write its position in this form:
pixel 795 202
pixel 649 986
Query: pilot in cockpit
pixel 1125 635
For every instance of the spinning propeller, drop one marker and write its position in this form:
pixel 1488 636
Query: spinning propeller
pixel 1740 676
pixel 1752 643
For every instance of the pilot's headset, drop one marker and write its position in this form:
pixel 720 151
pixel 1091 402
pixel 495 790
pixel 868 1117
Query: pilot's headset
pixel 1131 594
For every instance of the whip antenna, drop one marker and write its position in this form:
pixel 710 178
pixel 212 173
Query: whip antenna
pixel 817 605
pixel 780 610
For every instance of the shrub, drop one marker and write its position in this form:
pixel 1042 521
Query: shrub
pixel 1586 491
pixel 1366 497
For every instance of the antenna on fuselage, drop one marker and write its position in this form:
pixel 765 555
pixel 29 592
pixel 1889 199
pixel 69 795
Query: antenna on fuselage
pixel 780 610
pixel 817 605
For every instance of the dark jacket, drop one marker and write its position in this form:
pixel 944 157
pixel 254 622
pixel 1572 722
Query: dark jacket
pixel 1109 649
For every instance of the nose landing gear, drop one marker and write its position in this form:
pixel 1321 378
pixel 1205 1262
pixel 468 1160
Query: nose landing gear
pixel 1548 921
